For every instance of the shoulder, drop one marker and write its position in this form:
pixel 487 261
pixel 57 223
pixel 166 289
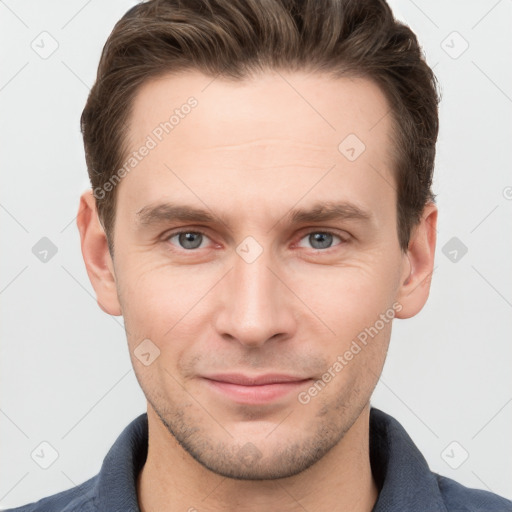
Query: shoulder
pixel 78 499
pixel 459 498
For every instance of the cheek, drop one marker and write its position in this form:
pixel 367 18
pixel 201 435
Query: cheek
pixel 162 303
pixel 155 297
pixel 357 304
pixel 348 298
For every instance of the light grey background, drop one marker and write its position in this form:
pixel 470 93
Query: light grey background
pixel 65 371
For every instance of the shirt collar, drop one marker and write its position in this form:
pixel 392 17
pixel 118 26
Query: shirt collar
pixel 116 487
pixel 400 470
pixel 402 474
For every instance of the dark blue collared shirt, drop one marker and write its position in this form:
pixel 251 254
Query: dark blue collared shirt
pixel 405 481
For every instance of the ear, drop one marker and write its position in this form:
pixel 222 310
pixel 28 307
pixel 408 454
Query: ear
pixel 97 259
pixel 417 275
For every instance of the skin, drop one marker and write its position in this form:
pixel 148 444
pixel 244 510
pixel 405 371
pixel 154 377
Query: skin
pixel 251 151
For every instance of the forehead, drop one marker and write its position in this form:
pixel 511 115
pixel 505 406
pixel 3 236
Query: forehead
pixel 273 132
pixel 302 107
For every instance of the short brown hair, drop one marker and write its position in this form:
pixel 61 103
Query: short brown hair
pixel 234 38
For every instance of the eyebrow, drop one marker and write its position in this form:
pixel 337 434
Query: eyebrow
pixel 318 212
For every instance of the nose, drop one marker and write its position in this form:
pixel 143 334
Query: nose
pixel 256 305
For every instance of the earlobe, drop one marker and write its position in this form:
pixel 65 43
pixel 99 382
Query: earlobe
pixel 97 259
pixel 415 288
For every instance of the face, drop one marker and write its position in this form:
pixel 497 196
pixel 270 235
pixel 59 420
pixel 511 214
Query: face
pixel 263 322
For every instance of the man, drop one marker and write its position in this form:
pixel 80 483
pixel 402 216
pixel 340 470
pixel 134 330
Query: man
pixel 260 212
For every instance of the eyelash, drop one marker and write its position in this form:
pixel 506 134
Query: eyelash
pixel 199 232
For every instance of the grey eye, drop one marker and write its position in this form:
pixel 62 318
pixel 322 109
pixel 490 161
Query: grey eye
pixel 188 239
pixel 321 239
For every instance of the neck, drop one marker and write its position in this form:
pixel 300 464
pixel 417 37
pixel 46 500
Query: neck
pixel 342 480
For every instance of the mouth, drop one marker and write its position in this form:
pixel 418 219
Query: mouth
pixel 254 389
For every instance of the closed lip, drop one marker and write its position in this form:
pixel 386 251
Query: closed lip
pixel 255 380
